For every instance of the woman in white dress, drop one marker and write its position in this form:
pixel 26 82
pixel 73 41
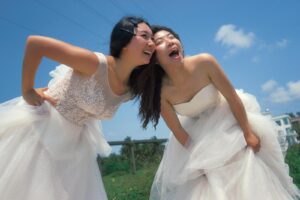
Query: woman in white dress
pixel 222 147
pixel 48 148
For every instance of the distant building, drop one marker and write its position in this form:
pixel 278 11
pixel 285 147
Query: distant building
pixel 295 120
pixel 286 135
pixel 285 125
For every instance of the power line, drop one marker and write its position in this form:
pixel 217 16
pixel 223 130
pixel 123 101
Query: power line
pixel 20 25
pixel 142 9
pixel 117 6
pixel 110 22
pixel 70 20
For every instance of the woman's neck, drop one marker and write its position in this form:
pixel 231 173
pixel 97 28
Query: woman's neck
pixel 177 73
pixel 122 69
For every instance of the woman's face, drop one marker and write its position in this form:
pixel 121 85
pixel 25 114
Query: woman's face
pixel 168 48
pixel 141 46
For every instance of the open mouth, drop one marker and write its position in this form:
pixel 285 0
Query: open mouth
pixel 148 53
pixel 174 53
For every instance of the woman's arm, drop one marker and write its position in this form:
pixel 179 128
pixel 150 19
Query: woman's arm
pixel 172 121
pixel 220 80
pixel 37 47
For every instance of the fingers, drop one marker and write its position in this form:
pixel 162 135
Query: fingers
pixel 50 100
pixel 36 102
pixel 45 97
pixel 256 148
pixel 44 89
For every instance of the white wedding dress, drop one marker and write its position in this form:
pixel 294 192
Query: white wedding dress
pixel 49 153
pixel 217 165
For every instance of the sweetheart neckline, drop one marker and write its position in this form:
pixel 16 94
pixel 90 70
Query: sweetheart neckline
pixel 199 92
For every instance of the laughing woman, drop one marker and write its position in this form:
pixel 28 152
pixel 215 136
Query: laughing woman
pixel 222 147
pixel 48 148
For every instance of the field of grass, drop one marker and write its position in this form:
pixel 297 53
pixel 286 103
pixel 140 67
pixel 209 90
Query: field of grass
pixel 122 185
pixel 126 186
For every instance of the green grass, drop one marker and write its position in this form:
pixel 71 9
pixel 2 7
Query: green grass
pixel 125 186
pixel 122 185
pixel 293 160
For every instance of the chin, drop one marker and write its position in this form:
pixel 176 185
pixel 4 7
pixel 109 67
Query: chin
pixel 146 62
pixel 142 63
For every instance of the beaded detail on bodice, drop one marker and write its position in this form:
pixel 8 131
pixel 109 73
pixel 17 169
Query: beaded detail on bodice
pixel 80 97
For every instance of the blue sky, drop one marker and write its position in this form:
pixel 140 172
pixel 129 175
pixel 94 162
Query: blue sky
pixel 256 42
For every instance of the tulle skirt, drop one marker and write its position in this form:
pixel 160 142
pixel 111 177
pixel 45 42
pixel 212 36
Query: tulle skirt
pixel 45 157
pixel 218 165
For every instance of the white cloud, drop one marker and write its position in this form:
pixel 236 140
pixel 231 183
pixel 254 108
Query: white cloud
pixel 232 37
pixel 281 44
pixel 282 94
pixel 294 88
pixel 269 86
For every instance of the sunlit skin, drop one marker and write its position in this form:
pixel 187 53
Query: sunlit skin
pixel 83 61
pixel 187 76
pixel 132 55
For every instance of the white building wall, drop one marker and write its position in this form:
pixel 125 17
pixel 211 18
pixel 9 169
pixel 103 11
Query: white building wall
pixel 286 135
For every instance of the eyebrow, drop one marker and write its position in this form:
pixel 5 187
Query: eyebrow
pixel 144 31
pixel 163 36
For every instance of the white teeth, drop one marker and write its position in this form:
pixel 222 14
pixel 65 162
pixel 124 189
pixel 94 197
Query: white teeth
pixel 174 53
pixel 147 52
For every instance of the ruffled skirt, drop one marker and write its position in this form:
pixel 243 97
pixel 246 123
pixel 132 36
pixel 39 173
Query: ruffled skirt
pixel 218 165
pixel 44 156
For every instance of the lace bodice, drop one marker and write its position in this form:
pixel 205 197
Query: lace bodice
pixel 80 97
pixel 206 98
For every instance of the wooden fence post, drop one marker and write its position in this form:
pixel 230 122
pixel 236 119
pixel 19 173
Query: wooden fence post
pixel 131 144
pixel 132 157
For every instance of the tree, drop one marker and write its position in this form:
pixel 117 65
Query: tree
pixel 125 149
pixel 292 115
pixel 293 160
pixel 296 127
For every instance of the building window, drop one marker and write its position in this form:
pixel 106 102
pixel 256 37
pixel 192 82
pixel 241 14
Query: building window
pixel 278 122
pixel 286 121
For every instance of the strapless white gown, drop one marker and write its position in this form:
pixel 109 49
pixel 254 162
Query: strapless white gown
pixel 218 165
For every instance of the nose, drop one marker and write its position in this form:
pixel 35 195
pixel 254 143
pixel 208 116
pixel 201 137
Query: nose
pixel 169 41
pixel 151 43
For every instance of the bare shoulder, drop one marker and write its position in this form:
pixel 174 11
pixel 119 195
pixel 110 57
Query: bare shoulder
pixel 110 61
pixel 203 62
pixel 203 58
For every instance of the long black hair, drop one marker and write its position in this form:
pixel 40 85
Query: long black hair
pixel 123 32
pixel 145 83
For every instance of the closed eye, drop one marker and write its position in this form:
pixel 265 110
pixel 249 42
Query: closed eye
pixel 158 42
pixel 170 36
